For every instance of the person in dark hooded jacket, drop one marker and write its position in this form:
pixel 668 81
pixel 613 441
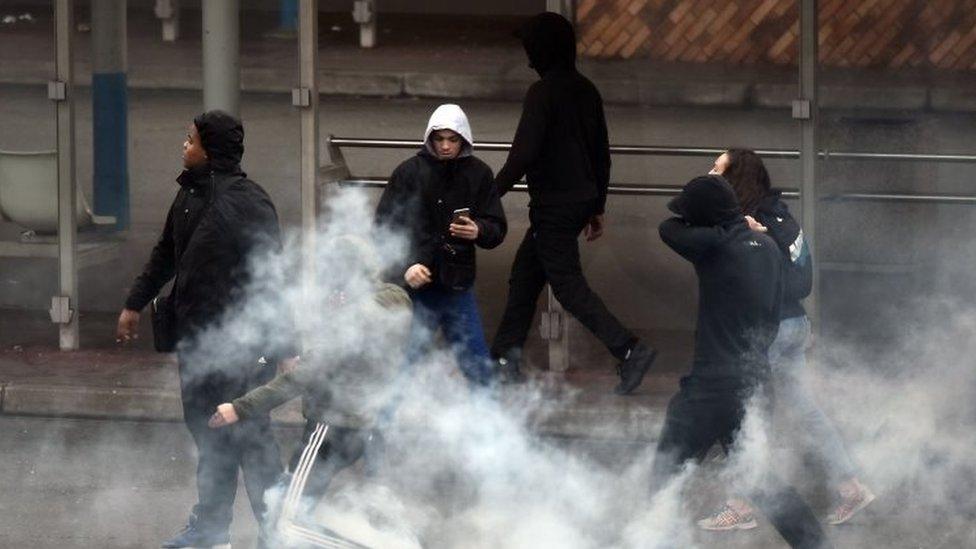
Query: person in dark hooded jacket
pixel 217 222
pixel 739 299
pixel 444 201
pixel 767 213
pixel 561 147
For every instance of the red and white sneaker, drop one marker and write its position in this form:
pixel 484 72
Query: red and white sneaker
pixel 851 505
pixel 728 519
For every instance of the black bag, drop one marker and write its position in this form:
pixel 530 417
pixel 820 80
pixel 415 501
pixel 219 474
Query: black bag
pixel 164 324
pixel 456 266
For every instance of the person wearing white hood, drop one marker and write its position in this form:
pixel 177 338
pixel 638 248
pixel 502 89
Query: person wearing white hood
pixel 445 201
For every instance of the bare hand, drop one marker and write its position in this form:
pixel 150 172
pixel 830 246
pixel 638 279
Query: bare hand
pixel 225 415
pixel 755 225
pixel 464 227
pixel 594 228
pixel 417 275
pixel 288 365
pixel 128 326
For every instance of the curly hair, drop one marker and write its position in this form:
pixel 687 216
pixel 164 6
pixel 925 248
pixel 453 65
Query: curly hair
pixel 748 176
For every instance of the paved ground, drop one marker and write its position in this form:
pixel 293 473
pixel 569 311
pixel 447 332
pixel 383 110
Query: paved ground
pixel 119 484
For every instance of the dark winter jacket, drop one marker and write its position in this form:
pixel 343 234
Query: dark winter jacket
pixel 419 202
pixel 798 271
pixel 739 282
pixel 561 143
pixel 347 373
pixel 217 221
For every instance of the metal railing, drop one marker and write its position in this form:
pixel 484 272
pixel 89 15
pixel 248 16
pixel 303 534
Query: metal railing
pixel 671 190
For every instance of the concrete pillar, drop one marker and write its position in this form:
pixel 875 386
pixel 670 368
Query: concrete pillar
pixel 64 306
pixel 110 110
pixel 221 55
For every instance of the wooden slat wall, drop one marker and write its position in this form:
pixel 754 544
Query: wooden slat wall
pixel 853 33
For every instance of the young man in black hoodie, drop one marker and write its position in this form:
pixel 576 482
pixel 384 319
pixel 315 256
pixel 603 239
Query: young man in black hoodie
pixel 217 222
pixel 561 146
pixel 739 297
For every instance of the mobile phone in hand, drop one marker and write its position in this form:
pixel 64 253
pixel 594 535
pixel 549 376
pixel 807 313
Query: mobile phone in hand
pixel 459 213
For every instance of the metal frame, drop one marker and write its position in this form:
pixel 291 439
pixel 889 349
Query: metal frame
pixel 64 305
pixel 335 143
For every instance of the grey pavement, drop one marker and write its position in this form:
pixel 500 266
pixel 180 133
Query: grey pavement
pixel 134 383
pixel 74 483
pixel 478 59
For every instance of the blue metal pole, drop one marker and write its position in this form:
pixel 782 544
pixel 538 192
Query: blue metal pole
pixel 288 15
pixel 110 105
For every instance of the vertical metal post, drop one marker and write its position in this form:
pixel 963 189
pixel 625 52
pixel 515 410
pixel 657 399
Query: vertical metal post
pixel 364 13
pixel 306 97
pixel 566 8
pixel 806 111
pixel 288 15
pixel 221 55
pixel 555 330
pixel 61 90
pixel 110 110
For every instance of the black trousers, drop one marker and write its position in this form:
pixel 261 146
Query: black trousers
pixel 550 253
pixel 702 414
pixel 248 445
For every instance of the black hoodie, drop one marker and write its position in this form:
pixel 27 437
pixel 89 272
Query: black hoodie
pixel 561 143
pixel 739 282
pixel 217 220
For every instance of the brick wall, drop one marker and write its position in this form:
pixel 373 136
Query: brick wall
pixel 853 33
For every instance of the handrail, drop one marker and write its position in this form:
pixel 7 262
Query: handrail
pixel 646 150
pixel 629 189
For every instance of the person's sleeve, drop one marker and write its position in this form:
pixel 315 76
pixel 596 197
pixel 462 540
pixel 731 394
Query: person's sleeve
pixel 158 270
pixel 490 218
pixel 601 161
pixel 400 212
pixel 261 400
pixel 691 242
pixel 528 141
pixel 799 273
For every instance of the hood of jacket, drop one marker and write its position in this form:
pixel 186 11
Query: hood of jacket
pixel 549 41
pixel 449 117
pixel 707 201
pixel 222 136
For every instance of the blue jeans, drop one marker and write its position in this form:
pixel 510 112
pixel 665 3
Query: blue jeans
pixel 456 315
pixel 817 433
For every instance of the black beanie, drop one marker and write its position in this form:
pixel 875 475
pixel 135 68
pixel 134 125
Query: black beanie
pixel 707 200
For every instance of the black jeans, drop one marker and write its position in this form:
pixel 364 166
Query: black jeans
pixel 550 253
pixel 702 414
pixel 248 444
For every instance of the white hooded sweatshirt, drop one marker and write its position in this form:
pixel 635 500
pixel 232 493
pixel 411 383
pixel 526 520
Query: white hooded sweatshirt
pixel 450 117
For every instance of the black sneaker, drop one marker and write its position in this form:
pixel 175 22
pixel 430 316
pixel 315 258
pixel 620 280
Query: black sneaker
pixel 633 368
pixel 507 368
pixel 194 536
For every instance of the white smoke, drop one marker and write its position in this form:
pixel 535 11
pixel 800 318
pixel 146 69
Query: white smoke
pixel 464 468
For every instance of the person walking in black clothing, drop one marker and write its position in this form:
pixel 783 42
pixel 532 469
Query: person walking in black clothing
pixel 739 298
pixel 217 221
pixel 562 148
